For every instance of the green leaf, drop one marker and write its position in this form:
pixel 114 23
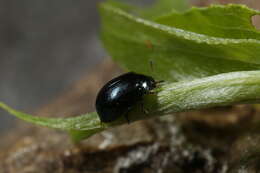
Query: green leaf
pixel 231 21
pixel 163 7
pixel 218 90
pixel 89 123
pixel 181 53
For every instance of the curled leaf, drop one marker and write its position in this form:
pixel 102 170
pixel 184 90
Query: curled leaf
pixel 219 90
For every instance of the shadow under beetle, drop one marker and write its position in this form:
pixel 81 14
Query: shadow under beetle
pixel 121 94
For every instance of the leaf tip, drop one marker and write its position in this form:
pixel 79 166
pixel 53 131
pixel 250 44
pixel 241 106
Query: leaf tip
pixel 5 107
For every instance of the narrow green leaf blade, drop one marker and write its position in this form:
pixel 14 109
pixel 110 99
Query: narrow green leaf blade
pixel 55 123
pixel 79 127
pixel 213 91
pixel 219 90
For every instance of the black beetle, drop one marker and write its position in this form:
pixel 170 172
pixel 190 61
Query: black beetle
pixel 119 95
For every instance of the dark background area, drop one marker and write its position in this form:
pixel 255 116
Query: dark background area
pixel 45 46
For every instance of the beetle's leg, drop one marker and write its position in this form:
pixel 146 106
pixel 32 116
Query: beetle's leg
pixel 126 117
pixel 145 111
pixel 156 83
pixel 152 92
pixel 125 114
pixel 159 81
pixel 101 124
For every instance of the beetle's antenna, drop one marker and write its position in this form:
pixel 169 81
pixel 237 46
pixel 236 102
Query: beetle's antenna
pixel 151 65
pixel 152 70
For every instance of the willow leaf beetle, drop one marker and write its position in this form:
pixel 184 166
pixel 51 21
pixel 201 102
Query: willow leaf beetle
pixel 121 94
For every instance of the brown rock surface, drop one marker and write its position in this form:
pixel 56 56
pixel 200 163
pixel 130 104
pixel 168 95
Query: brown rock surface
pixel 156 145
